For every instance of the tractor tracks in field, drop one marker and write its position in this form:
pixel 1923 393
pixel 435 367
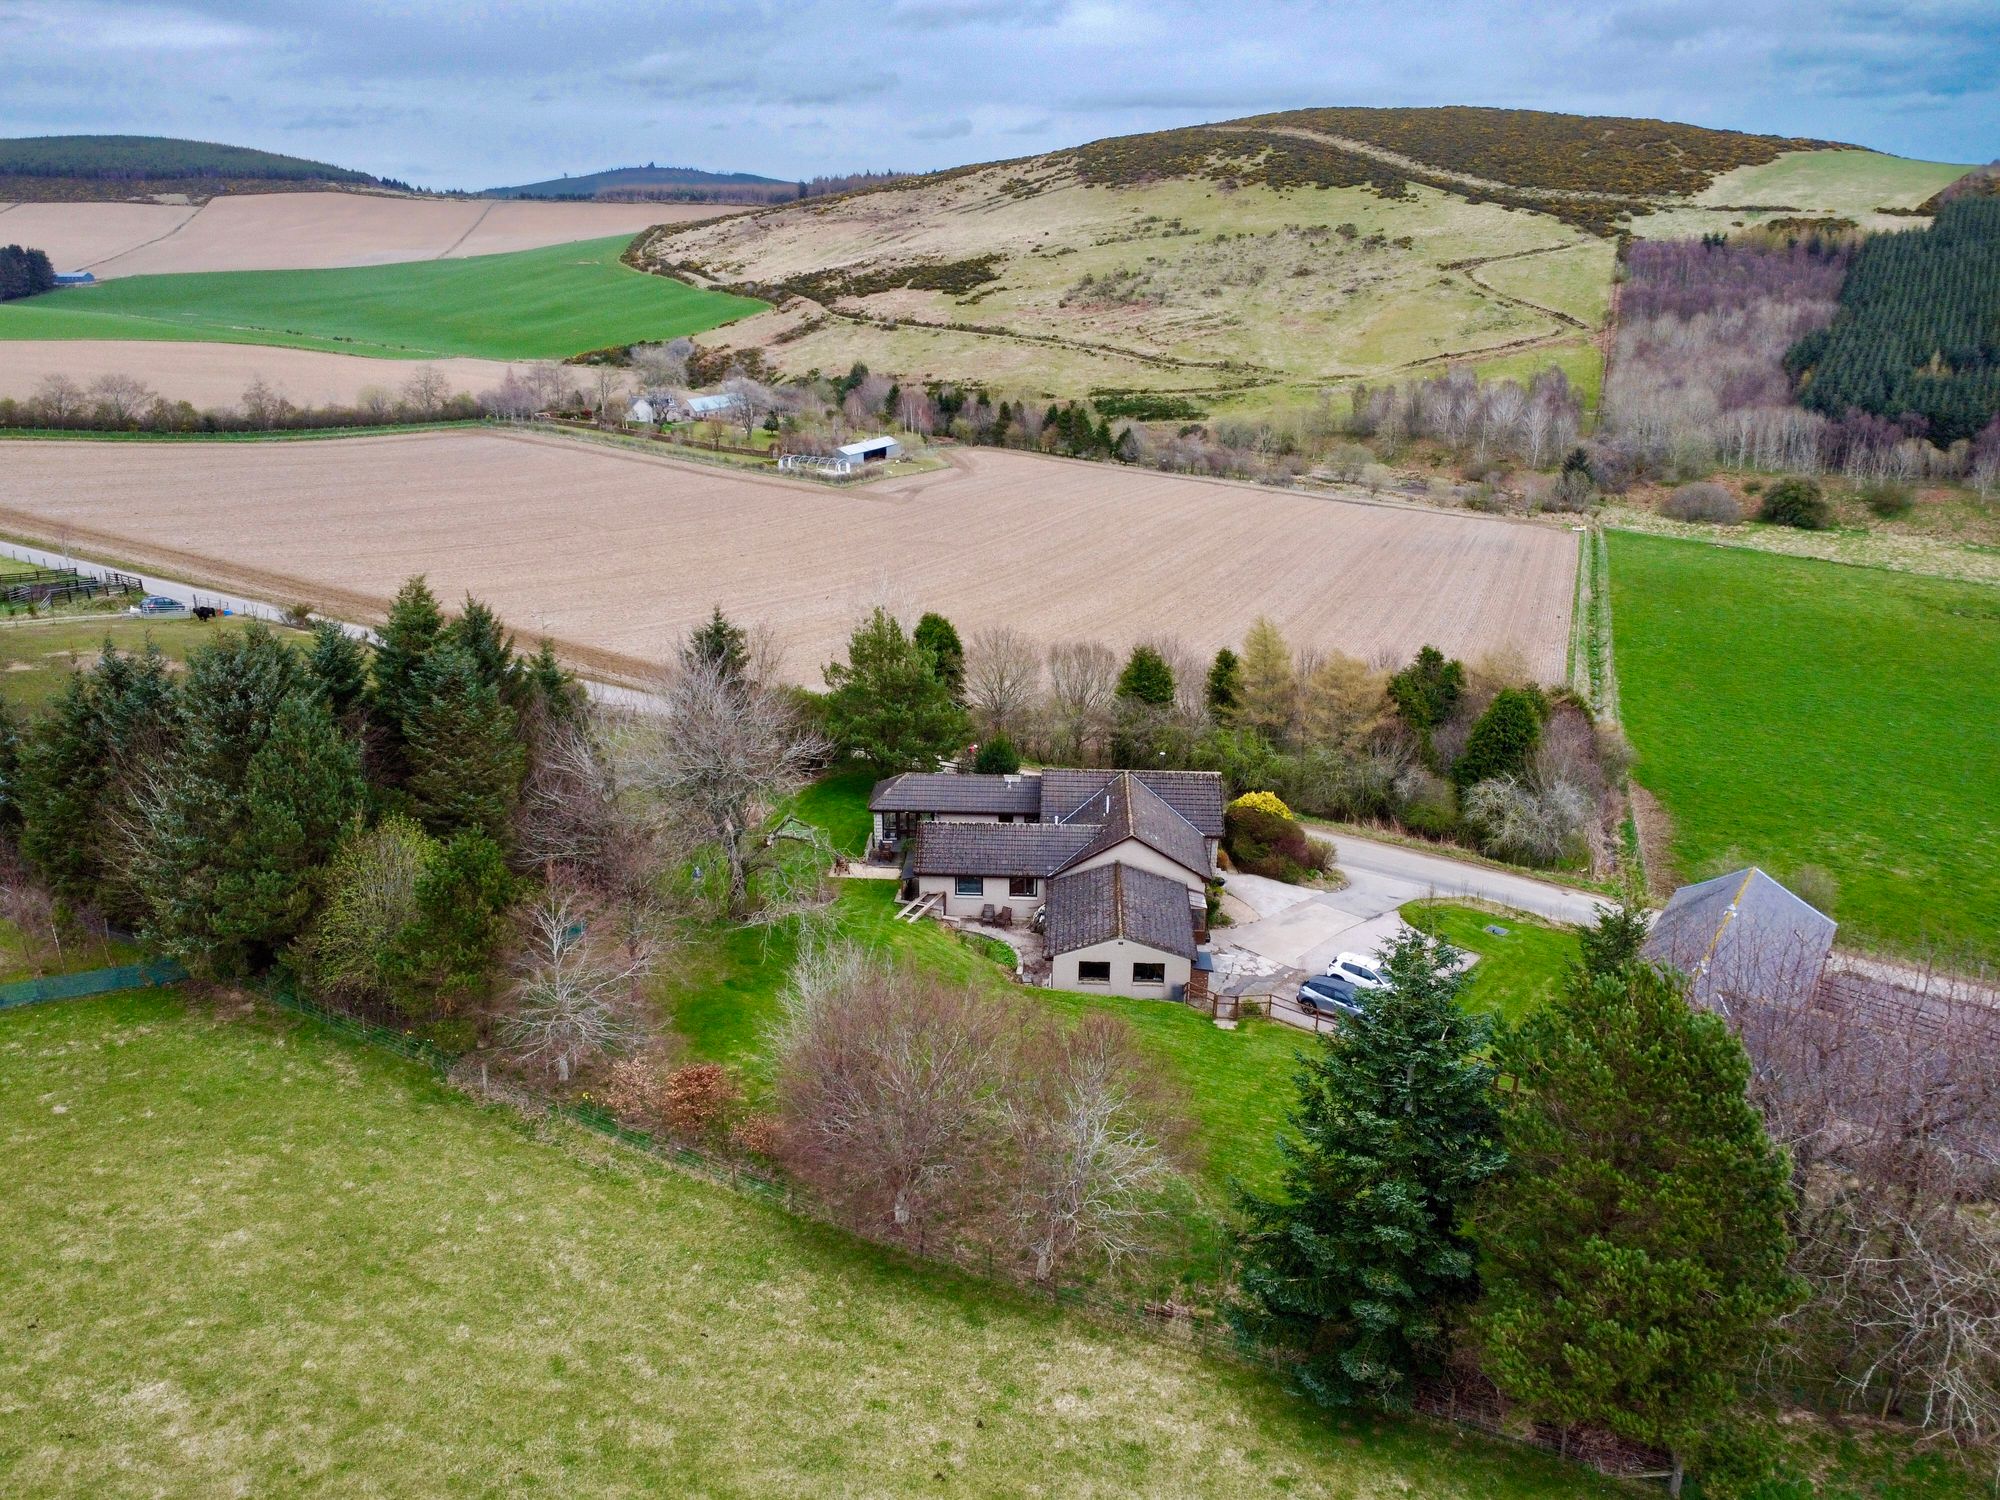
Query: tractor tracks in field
pixel 135 249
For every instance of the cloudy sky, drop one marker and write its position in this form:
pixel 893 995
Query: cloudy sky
pixel 479 94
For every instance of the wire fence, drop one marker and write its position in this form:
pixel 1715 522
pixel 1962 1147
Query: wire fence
pixel 91 982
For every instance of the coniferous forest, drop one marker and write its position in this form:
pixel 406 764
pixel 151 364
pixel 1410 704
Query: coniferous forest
pixel 1918 330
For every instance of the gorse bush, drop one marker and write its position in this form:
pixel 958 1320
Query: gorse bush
pixel 1797 503
pixel 1888 499
pixel 1265 802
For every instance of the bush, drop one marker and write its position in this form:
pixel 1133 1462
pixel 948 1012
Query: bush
pixel 1888 499
pixel 1702 501
pixel 1797 503
pixel 1269 802
pixel 1429 803
pixel 1263 843
pixel 1530 824
pixel 997 757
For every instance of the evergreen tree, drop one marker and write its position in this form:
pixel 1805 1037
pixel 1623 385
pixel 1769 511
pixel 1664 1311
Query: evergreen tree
pixel 1425 692
pixel 408 638
pixel 1147 678
pixel 1360 1262
pixel 1613 941
pixel 938 636
pixel 302 792
pixel 997 757
pixel 887 703
pixel 1503 739
pixel 10 771
pixel 206 833
pixel 719 643
pixel 465 762
pixel 446 952
pixel 491 648
pixel 552 688
pixel 1225 685
pixel 78 771
pixel 1635 1253
pixel 340 667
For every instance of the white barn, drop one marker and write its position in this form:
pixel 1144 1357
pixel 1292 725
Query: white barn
pixel 872 450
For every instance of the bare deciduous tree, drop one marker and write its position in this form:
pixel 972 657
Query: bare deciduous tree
pixel 572 996
pixel 753 401
pixel 1083 689
pixel 886 1082
pixel 719 751
pixel 1003 677
pixel 426 391
pixel 1088 1161
pixel 58 400
pixel 120 398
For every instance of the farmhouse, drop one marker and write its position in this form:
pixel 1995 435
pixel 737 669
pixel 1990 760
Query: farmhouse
pixel 1116 863
pixel 871 450
pixel 1742 935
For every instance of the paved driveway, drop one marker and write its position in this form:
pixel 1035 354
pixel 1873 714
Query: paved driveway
pixel 1298 928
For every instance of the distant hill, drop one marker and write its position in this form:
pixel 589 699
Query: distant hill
pixel 656 182
pixel 1251 264
pixel 68 168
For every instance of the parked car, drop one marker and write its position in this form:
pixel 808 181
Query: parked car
pixel 159 604
pixel 1358 970
pixel 1324 995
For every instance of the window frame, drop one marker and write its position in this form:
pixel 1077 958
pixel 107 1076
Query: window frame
pixel 1015 884
pixel 1085 965
pixel 959 883
pixel 1161 968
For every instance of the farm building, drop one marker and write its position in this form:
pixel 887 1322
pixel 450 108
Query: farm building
pixel 872 450
pixel 642 413
pixel 1742 935
pixel 704 408
pixel 75 278
pixel 1118 863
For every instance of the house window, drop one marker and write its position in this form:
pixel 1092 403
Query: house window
pixel 1149 973
pixel 1006 817
pixel 1094 971
pixel 1021 885
pixel 969 885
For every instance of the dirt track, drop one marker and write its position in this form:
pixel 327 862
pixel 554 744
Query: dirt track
pixel 304 231
pixel 616 555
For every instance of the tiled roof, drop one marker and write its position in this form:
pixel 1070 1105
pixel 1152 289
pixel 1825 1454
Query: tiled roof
pixel 1129 809
pixel 945 792
pixel 1742 934
pixel 1195 795
pixel 1114 901
pixel 1038 849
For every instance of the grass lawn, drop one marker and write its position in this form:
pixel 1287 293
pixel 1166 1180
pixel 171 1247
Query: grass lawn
pixel 527 304
pixel 1516 973
pixel 37 656
pixel 1791 712
pixel 255 1258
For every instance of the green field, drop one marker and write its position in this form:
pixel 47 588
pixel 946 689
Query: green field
pixel 1792 712
pixel 249 1257
pixel 529 304
pixel 37 656
pixel 1517 971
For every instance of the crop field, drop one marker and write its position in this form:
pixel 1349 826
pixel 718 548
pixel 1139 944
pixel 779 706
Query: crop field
pixel 1791 712
pixel 308 231
pixel 267 1260
pixel 527 304
pixel 616 553
pixel 216 375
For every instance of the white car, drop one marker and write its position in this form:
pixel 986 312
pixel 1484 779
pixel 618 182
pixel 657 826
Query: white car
pixel 1358 970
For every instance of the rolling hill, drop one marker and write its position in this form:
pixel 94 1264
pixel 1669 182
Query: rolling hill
pixel 640 181
pixel 70 168
pixel 1255 262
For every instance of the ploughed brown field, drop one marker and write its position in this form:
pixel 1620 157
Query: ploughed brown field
pixel 615 554
pixel 217 374
pixel 310 231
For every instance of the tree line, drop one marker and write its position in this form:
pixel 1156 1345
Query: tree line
pixel 24 273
